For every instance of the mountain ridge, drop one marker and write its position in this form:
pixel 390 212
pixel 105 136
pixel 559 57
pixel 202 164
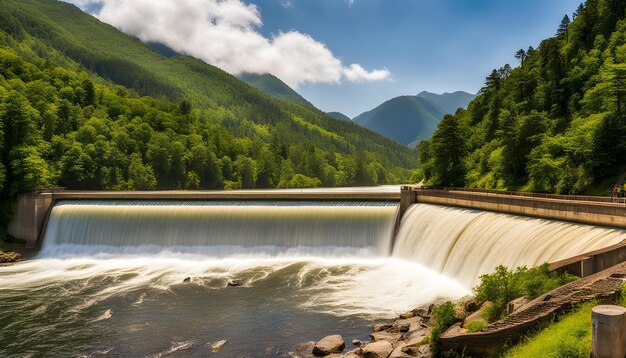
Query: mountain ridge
pixel 409 119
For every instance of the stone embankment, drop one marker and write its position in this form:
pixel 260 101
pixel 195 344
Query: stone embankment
pixel 403 337
pixel 603 285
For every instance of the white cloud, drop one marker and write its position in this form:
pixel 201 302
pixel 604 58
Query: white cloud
pixel 356 73
pixel 225 33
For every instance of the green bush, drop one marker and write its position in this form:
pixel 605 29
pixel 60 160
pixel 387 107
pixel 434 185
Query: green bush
pixel 441 318
pixel 505 285
pixel 475 326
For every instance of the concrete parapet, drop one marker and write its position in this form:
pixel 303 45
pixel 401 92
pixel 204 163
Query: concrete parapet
pixel 576 209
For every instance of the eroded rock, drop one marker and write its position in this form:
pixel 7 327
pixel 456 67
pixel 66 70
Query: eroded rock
pixel 10 257
pixel 385 336
pixel 380 349
pixel 328 345
pixel 215 347
pixel 382 326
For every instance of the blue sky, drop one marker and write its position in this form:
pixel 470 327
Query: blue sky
pixel 345 55
pixel 433 45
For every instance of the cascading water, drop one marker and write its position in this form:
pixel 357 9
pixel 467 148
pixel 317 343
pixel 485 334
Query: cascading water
pixel 112 276
pixel 464 243
pixel 220 228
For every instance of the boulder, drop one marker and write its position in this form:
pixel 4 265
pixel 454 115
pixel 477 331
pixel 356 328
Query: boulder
pixel 414 323
pixel 403 327
pixel 9 257
pixel 516 304
pixel 398 353
pixel 215 347
pixel 328 345
pixel 407 314
pixel 477 315
pixel 380 349
pixel 385 336
pixel 421 313
pixel 459 313
pixel 471 305
pixel 382 326
pixel 357 342
pixel 187 280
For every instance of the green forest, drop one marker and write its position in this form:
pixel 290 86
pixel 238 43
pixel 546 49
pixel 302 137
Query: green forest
pixel 84 106
pixel 555 124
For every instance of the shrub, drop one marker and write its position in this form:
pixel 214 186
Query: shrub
pixel 475 326
pixel 441 318
pixel 505 285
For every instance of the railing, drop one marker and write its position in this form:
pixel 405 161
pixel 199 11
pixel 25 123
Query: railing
pixel 599 199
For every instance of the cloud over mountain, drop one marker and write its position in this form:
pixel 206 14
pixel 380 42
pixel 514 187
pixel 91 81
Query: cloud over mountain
pixel 225 33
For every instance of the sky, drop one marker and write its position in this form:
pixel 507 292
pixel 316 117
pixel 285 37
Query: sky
pixel 345 55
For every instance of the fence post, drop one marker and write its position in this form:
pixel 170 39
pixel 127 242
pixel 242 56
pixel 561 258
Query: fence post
pixel 608 331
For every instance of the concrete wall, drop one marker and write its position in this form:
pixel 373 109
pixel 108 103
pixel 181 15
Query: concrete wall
pixel 29 216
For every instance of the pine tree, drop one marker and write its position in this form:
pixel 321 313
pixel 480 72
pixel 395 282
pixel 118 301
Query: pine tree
pixel 563 27
pixel 521 56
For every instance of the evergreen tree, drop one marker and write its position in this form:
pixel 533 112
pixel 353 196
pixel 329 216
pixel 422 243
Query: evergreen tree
pixel 563 27
pixel 521 56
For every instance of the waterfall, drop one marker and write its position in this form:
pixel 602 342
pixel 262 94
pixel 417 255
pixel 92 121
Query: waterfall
pixel 220 228
pixel 460 243
pixel 464 244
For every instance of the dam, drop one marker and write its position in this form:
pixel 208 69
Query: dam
pixel 305 262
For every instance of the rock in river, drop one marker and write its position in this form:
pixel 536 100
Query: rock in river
pixel 380 349
pixel 9 257
pixel 328 345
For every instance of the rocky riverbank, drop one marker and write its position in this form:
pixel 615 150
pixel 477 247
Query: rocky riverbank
pixel 403 337
pixel 10 257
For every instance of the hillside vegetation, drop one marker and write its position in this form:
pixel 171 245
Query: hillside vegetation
pixel 86 107
pixel 556 123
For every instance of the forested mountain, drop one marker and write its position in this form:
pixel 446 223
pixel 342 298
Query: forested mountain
pixel 273 86
pixel 84 106
pixel 408 119
pixel 448 102
pixel 556 123
pixel 338 115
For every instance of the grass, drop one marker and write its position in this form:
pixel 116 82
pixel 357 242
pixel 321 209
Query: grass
pixel 569 337
pixel 475 326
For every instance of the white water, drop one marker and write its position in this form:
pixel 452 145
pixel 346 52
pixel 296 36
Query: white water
pixel 464 243
pixel 220 229
pixel 341 250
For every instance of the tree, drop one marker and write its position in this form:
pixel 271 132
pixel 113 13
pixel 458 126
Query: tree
pixel 448 149
pixel 246 168
pixel 493 81
pixel 564 26
pixel 578 11
pixel 141 174
pixel 617 79
pixel 521 56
